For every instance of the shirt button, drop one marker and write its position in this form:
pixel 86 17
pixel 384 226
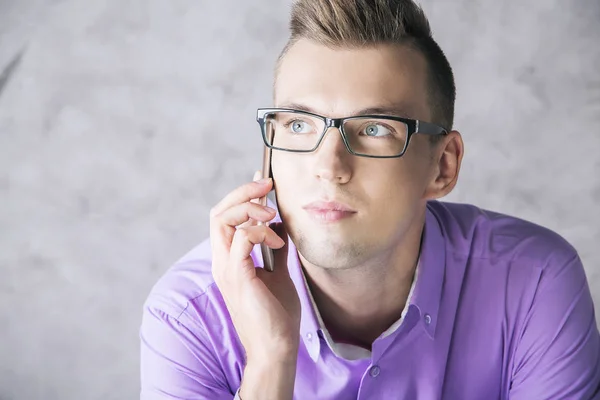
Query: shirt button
pixel 309 336
pixel 374 372
pixel 427 319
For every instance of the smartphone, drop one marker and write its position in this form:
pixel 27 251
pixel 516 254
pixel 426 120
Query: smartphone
pixel 267 252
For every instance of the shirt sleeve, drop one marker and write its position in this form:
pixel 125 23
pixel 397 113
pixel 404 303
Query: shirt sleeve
pixel 559 351
pixel 176 363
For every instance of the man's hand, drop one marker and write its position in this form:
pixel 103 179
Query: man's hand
pixel 264 306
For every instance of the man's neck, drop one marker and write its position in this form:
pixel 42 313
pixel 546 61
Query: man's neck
pixel 357 305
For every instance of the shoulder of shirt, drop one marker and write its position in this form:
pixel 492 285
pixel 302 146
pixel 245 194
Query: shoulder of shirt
pixel 188 280
pixel 473 232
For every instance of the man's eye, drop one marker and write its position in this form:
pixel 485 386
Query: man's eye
pixel 298 126
pixel 376 130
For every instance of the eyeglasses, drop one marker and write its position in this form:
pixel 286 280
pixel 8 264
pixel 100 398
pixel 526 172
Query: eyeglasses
pixel 376 136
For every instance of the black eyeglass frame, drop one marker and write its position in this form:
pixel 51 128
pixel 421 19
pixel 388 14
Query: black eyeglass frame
pixel 413 125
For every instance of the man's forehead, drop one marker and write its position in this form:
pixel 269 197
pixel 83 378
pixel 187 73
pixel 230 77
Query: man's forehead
pixel 346 82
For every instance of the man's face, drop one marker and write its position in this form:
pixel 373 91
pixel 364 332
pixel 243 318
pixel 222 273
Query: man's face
pixel 385 195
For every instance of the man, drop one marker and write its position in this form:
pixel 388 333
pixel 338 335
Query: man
pixel 379 291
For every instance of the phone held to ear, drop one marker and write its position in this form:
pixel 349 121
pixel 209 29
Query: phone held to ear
pixel 267 252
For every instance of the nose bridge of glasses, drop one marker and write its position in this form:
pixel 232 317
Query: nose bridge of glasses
pixel 334 123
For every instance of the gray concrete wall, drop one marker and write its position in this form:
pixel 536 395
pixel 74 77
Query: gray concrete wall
pixel 123 121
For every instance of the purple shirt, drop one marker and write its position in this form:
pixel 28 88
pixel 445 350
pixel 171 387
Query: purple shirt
pixel 501 309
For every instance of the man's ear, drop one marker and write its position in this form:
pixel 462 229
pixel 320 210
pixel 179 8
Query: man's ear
pixel 446 161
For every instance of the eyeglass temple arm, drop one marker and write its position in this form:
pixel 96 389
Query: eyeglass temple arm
pixel 430 129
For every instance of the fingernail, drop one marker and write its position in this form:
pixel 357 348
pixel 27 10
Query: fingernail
pixel 264 181
pixel 271 210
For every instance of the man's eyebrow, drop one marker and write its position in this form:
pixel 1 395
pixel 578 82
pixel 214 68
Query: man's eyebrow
pixel 298 106
pixel 401 111
pixel 397 110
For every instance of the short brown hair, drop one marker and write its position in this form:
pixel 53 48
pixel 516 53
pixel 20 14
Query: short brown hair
pixel 362 23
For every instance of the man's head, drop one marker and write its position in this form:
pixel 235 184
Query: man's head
pixel 344 57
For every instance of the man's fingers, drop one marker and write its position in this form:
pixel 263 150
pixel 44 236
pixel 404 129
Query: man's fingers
pixel 237 212
pixel 250 222
pixel 244 241
pixel 223 227
pixel 241 213
pixel 243 194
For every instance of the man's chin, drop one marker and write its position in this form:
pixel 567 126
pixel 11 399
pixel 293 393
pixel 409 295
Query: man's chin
pixel 330 254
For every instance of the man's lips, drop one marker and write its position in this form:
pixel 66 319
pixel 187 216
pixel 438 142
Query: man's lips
pixel 328 211
pixel 328 206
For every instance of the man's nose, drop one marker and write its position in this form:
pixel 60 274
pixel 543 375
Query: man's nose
pixel 332 159
pixel 333 141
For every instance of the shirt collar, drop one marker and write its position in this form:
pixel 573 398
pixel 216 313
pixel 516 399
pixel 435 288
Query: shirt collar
pixel 427 286
pixel 428 290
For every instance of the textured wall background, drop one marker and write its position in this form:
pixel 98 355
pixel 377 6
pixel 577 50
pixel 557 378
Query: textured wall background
pixel 123 121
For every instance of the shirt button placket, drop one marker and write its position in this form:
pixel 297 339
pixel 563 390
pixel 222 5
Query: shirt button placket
pixel 365 391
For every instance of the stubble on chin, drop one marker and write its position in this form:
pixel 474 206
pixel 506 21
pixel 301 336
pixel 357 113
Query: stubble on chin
pixel 327 254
